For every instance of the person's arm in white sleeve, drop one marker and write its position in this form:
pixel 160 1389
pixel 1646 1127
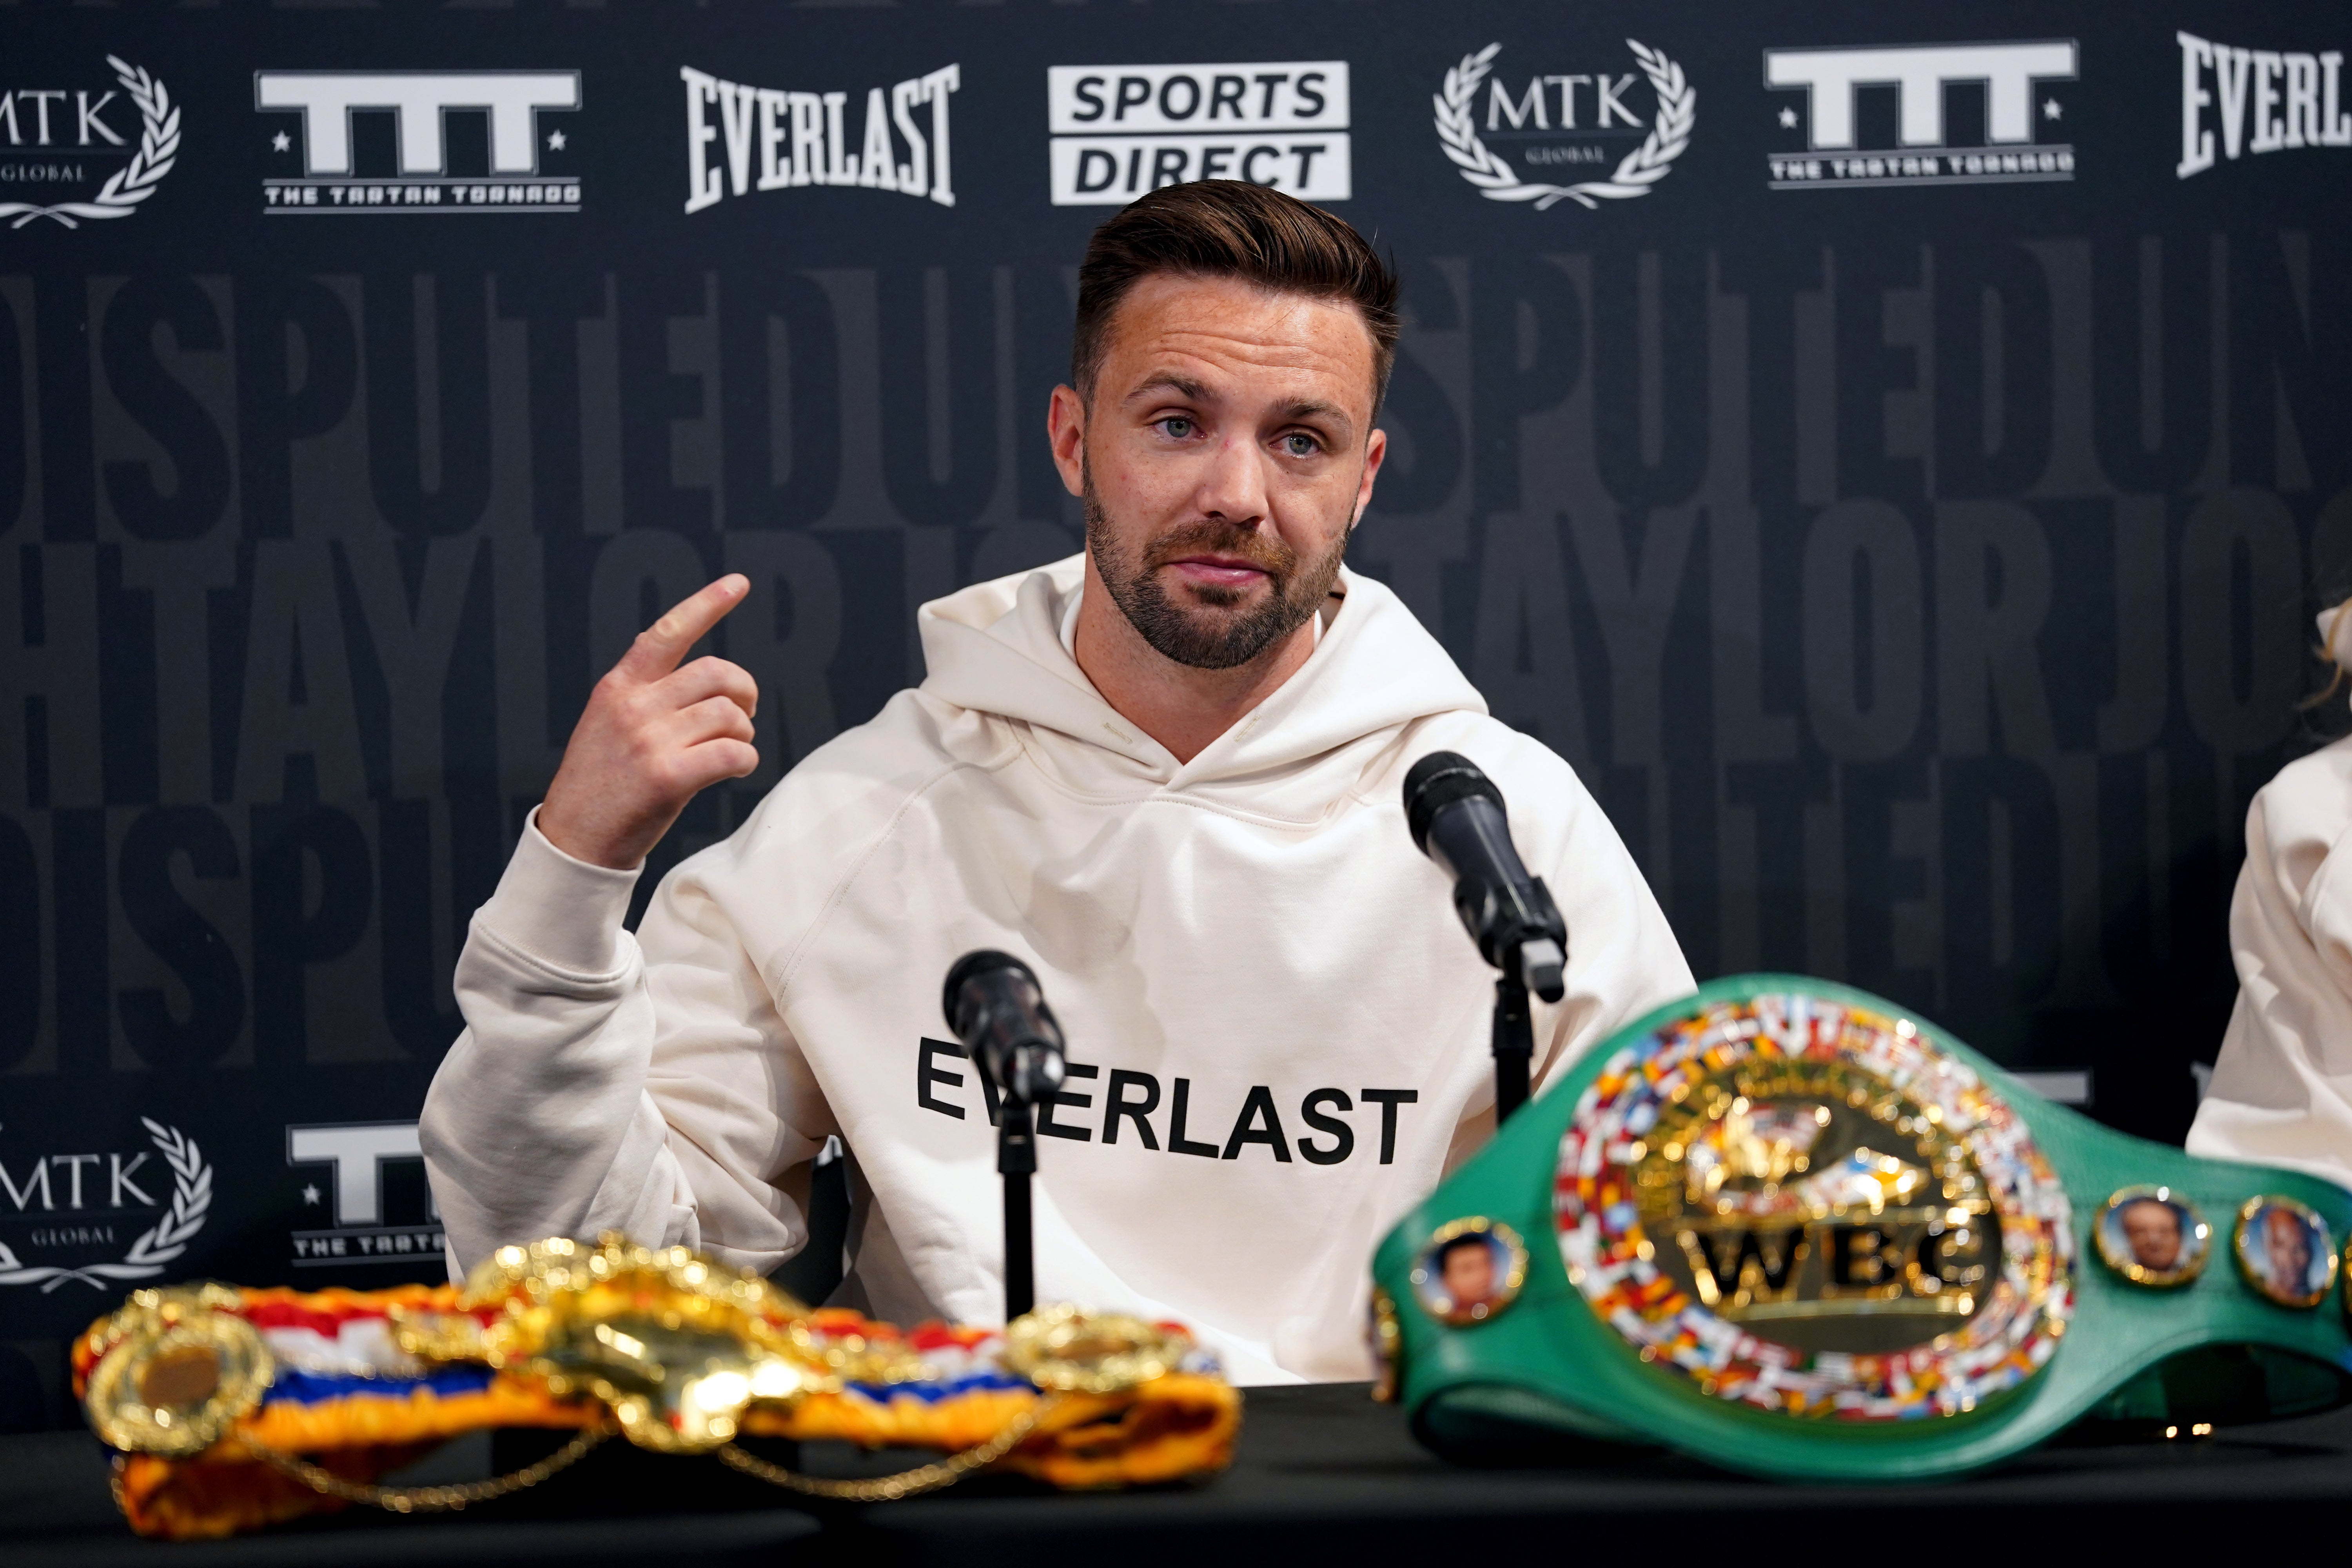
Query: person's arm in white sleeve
pixel 537 1123
pixel 604 1082
pixel 2282 1091
pixel 593 1089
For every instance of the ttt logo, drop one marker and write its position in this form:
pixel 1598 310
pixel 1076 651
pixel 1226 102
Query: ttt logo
pixel 1998 145
pixel 362 1232
pixel 427 110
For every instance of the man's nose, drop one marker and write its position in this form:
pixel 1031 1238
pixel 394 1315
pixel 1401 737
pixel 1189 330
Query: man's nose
pixel 1233 487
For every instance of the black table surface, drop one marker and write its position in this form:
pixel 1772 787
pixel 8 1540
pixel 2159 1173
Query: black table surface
pixel 1321 1470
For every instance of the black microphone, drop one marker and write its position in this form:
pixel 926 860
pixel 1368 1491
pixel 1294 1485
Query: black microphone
pixel 1457 820
pixel 997 1009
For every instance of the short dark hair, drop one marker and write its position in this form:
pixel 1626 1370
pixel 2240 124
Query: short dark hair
pixel 1231 228
pixel 1447 1248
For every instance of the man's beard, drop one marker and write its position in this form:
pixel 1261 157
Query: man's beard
pixel 1201 638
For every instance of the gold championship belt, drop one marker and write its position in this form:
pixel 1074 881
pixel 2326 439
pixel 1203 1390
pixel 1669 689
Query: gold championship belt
pixel 230 1409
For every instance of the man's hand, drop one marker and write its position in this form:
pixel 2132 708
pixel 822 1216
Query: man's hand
pixel 653 737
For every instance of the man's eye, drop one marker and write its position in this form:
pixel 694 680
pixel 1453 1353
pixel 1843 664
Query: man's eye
pixel 1176 427
pixel 1300 445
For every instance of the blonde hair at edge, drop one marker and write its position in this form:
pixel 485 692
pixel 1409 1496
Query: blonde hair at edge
pixel 2336 645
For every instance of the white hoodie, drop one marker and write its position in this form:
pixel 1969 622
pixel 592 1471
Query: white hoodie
pixel 2282 1091
pixel 1251 964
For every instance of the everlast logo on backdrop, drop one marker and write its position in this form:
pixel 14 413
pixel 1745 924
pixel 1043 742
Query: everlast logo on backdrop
pixel 364 1231
pixel 740 139
pixel 70 154
pixel 462 142
pixel 1560 122
pixel 2265 101
pixel 1121 130
pixel 1175 1117
pixel 1995 145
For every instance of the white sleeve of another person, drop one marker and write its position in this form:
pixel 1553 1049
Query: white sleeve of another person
pixel 2282 1091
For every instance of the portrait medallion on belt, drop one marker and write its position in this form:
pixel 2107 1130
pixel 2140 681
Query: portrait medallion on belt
pixel 2286 1251
pixel 1811 1207
pixel 1470 1271
pixel 2153 1237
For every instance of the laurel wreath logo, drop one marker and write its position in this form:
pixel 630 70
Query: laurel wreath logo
pixel 158 144
pixel 1498 182
pixel 192 1195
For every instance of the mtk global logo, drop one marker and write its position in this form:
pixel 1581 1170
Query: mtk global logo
pixel 1121 130
pixel 61 142
pixel 1563 120
pixel 414 142
pixel 770 139
pixel 2283 97
pixel 1996 146
pixel 101 1216
pixel 363 1231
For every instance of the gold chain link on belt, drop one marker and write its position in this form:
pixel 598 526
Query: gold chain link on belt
pixel 905 1483
pixel 429 1499
pixel 446 1499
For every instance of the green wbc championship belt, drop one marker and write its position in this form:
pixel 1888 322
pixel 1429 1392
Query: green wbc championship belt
pixel 1784 1227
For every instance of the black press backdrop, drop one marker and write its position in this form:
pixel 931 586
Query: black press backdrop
pixel 1905 503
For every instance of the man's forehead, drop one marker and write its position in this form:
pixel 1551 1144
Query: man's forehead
pixel 1205 331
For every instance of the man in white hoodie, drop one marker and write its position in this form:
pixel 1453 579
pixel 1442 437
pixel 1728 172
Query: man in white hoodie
pixel 1165 772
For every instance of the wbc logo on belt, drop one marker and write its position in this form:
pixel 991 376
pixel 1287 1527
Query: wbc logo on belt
pixel 1809 1207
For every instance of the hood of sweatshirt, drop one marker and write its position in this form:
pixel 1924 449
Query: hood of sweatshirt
pixel 996 648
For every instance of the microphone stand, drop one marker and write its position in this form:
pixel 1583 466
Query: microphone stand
pixel 1514 1042
pixel 1016 1162
pixel 994 1006
pixel 1457 817
pixel 1524 947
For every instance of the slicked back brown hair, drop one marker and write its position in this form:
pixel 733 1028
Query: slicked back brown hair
pixel 1231 228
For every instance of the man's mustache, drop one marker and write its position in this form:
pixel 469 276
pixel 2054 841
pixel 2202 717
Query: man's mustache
pixel 1215 536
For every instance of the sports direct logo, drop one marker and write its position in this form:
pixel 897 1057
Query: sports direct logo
pixel 1121 130
pixel 342 116
pixel 1925 150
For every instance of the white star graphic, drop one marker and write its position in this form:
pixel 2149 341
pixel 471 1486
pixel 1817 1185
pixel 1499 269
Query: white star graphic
pixel 280 142
pixel 2050 109
pixel 309 1194
pixel 1788 119
pixel 555 140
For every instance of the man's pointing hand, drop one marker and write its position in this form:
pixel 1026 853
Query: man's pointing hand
pixel 653 737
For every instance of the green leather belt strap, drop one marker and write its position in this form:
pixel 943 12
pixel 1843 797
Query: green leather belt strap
pixel 1787 1228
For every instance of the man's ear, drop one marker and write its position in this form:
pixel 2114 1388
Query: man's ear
pixel 1376 450
pixel 1065 432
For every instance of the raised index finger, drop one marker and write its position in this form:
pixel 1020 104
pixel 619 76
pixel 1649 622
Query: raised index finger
pixel 659 647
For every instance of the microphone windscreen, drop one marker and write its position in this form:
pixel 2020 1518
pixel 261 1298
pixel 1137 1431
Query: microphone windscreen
pixel 986 961
pixel 1436 782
